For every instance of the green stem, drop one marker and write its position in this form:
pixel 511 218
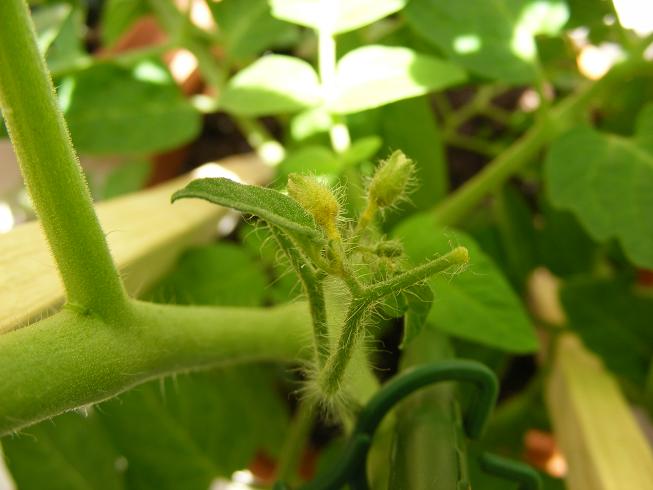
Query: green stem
pixel 327 61
pixel 51 169
pixel 367 217
pixel 70 360
pixel 314 293
pixel 330 379
pixel 475 145
pixel 457 257
pixel 481 99
pixel 268 149
pixel 523 151
pixel 300 430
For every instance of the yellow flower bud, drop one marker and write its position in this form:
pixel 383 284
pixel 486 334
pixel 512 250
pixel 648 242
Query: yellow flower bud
pixel 318 200
pixel 391 180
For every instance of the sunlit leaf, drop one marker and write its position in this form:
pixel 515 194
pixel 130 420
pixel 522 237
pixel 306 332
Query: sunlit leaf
pixel 271 85
pixel 373 76
pixel 477 304
pixel 492 39
pixel 269 205
pixel 247 27
pixel 310 122
pixel 335 16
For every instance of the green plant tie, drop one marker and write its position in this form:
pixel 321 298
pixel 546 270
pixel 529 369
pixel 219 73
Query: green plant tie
pixel 507 469
pixel 350 468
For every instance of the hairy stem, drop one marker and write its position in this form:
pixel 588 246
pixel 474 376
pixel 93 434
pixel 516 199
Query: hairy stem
pixel 51 169
pixel 367 217
pixel 331 377
pixel 457 257
pixel 314 293
pixel 70 360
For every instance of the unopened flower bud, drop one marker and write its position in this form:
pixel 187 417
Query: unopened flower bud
pixel 391 180
pixel 391 248
pixel 317 199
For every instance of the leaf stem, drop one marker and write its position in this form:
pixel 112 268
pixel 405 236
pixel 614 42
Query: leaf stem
pixel 457 257
pixel 314 293
pixel 361 307
pixel 330 378
pixel 327 62
pixel 51 169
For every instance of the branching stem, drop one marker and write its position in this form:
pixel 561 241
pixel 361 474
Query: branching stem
pixel 312 285
pixel 52 171
pixel 361 307
pixel 558 119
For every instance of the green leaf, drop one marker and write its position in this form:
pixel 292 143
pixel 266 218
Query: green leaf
pixel 373 76
pixel 563 245
pixel 71 452
pixel 247 27
pixel 606 182
pixel 273 84
pixel 118 16
pixel 613 321
pixel 361 150
pixel 644 128
pixel 340 15
pixel 112 109
pixel 419 300
pixel 185 432
pixel 411 125
pixel 269 205
pixel 68 49
pixel 514 223
pixel 217 274
pixel 48 22
pixel 492 39
pixel 478 304
pixel 128 177
pixel 310 159
pixel 259 243
pixel 310 122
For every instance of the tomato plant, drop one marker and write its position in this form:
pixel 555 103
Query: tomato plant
pixel 461 193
